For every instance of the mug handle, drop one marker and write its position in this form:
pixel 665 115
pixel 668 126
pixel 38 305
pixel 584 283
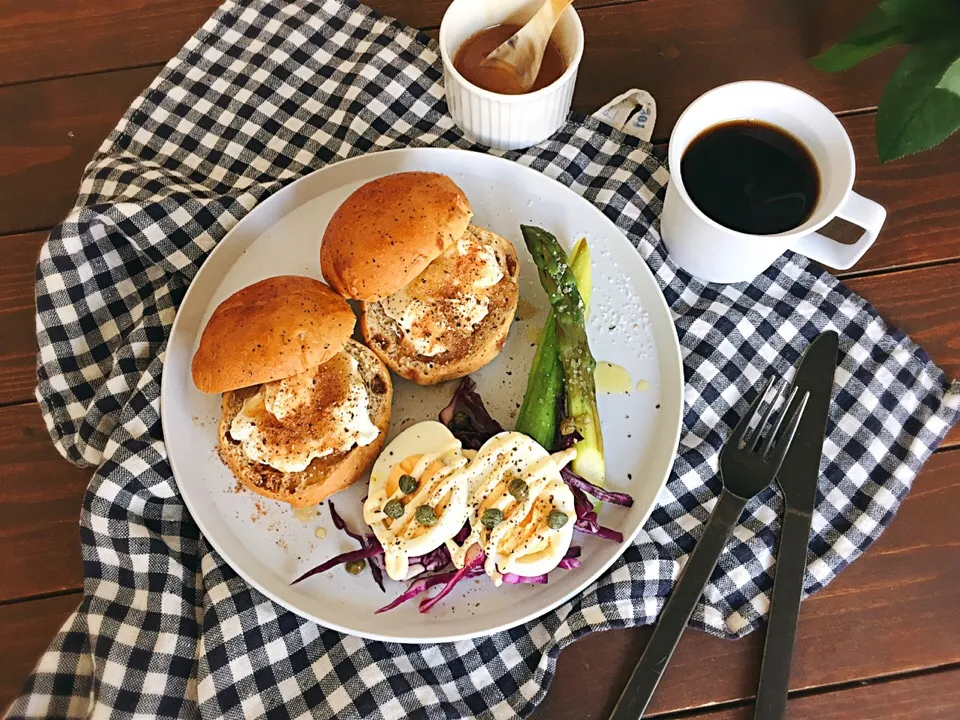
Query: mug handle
pixel 858 210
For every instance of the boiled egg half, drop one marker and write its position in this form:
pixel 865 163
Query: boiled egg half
pixel 521 512
pixel 418 498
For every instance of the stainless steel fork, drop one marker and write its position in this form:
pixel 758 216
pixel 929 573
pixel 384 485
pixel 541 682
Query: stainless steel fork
pixel 749 461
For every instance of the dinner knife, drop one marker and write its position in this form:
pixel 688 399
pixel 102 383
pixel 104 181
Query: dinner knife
pixel 798 478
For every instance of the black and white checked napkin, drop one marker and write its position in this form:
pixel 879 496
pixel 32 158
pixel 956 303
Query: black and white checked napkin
pixel 265 92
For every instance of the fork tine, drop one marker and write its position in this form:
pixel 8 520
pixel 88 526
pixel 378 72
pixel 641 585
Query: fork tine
pixel 757 434
pixel 779 452
pixel 740 431
pixel 768 443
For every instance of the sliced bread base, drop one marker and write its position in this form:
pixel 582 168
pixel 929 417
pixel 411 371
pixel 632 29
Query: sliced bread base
pixel 324 476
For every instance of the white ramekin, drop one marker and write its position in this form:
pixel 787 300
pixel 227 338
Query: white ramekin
pixel 507 122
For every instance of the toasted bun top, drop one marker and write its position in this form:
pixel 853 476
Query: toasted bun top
pixel 270 330
pixel 389 230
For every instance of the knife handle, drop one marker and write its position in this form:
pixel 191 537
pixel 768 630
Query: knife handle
pixel 680 606
pixel 784 613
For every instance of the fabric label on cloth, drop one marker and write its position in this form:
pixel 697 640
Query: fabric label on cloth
pixel 632 113
pixel 264 93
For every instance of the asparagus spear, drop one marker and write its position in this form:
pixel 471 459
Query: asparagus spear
pixel 573 349
pixel 538 414
pixel 582 271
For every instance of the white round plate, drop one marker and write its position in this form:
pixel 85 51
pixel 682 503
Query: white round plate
pixel 629 325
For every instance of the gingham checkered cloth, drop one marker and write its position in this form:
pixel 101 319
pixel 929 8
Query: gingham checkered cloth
pixel 264 93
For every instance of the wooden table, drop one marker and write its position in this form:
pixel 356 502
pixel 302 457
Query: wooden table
pixel 883 641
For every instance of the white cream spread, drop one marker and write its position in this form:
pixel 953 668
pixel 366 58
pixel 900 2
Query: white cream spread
pixel 311 432
pixel 449 295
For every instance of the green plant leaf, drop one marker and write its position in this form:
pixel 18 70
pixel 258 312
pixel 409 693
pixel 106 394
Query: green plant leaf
pixel 892 22
pixel 924 19
pixel 921 105
pixel 878 31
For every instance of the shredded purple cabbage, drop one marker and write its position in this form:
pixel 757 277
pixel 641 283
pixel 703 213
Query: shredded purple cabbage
pixel 361 554
pixel 434 561
pixel 513 579
pixel 371 551
pixel 571 560
pixel 367 541
pixel 565 442
pixel 340 524
pixel 377 566
pixel 614 498
pixel 471 568
pixel 592 527
pixel 461 537
pixel 587 522
pixel 467 418
pixel 416 587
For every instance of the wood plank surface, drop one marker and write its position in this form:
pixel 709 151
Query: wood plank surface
pixel 679 49
pixel 18 347
pixel 923 697
pixel 925 304
pixel 26 630
pixel 49 130
pixel 894 610
pixel 920 193
pixel 130 33
pixel 133 33
pixel 48 133
pixel 40 499
pixel 48 145
pixel 82 36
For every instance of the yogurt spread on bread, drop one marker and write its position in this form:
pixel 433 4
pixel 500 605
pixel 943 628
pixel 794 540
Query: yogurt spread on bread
pixel 451 295
pixel 290 422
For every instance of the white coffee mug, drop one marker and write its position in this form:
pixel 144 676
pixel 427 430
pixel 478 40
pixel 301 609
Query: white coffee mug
pixel 714 253
pixel 507 122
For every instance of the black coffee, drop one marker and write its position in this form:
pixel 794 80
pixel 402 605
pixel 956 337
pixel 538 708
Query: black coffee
pixel 751 177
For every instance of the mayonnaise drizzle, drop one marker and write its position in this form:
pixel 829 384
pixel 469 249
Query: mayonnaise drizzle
pixel 502 458
pixel 400 539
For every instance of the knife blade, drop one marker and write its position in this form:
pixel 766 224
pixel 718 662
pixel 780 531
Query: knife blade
pixel 798 479
pixel 800 471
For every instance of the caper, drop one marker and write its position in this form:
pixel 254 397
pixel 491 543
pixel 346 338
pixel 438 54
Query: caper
pixel 426 516
pixel 355 567
pixel 393 509
pixel 556 519
pixel 519 489
pixel 461 421
pixel 408 484
pixel 491 518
